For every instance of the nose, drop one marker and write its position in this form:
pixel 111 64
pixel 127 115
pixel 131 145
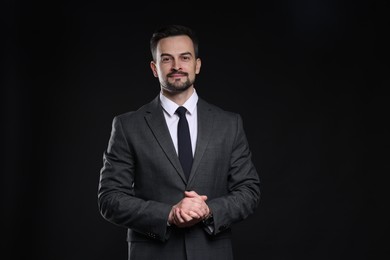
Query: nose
pixel 176 65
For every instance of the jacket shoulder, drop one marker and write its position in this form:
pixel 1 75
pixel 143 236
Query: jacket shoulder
pixel 217 110
pixel 138 113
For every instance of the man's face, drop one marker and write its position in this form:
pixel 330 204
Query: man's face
pixel 175 65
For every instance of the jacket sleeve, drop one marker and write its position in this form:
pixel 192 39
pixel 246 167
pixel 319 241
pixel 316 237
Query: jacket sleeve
pixel 243 194
pixel 116 199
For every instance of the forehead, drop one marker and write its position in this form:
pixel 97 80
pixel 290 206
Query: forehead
pixel 175 45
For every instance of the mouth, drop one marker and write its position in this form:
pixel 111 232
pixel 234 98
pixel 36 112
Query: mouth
pixel 177 74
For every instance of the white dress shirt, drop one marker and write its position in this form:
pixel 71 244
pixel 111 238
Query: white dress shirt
pixel 172 119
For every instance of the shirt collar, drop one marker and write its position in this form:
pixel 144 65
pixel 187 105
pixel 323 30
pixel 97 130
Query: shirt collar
pixel 170 106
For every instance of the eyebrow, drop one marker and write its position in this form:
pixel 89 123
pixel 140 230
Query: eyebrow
pixel 181 54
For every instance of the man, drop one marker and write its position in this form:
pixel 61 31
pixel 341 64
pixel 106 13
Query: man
pixel 143 183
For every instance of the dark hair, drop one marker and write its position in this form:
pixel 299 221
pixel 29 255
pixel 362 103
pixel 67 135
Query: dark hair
pixel 173 30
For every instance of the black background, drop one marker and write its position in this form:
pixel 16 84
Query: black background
pixel 308 77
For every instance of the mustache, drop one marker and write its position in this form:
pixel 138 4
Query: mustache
pixel 177 72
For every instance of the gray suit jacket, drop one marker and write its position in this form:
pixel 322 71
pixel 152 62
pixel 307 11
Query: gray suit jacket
pixel 142 179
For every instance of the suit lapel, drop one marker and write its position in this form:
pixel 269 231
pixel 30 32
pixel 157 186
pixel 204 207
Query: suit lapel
pixel 156 121
pixel 205 124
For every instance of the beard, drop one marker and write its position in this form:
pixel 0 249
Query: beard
pixel 177 86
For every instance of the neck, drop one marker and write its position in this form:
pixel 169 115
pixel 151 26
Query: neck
pixel 179 97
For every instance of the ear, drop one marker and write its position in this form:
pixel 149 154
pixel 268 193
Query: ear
pixel 154 68
pixel 198 65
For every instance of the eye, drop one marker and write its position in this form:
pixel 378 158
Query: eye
pixel 186 58
pixel 166 59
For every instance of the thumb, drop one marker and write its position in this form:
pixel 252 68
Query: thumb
pixel 203 197
pixel 191 194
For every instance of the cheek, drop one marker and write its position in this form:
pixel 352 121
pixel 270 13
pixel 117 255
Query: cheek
pixel 159 72
pixel 164 69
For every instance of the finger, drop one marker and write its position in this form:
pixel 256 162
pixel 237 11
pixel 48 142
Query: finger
pixel 203 197
pixel 191 194
pixel 178 216
pixel 196 212
pixel 195 215
pixel 186 217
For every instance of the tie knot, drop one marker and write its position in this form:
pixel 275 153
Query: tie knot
pixel 181 111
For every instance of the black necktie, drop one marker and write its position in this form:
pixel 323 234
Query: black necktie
pixel 184 142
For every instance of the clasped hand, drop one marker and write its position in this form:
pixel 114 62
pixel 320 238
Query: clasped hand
pixel 190 210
